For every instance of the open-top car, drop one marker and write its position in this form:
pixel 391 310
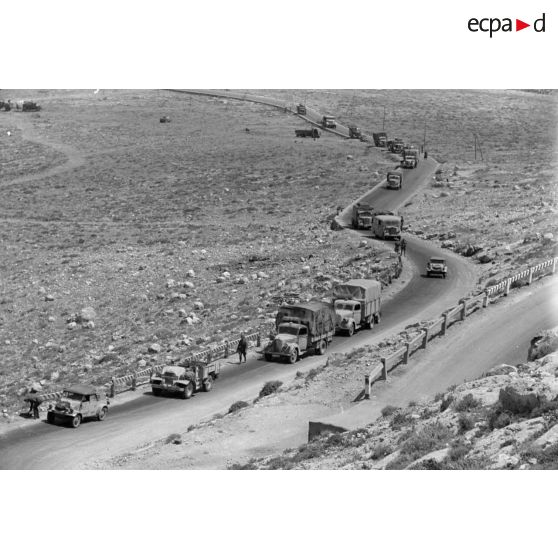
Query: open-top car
pixel 437 266
pixel 79 402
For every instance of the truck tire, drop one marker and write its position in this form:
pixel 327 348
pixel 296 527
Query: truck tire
pixel 293 357
pixel 445 274
pixel 51 417
pixel 208 383
pixel 102 414
pixel 370 322
pixel 188 391
pixel 378 317
pixel 351 330
pixel 156 392
pixel 268 357
pixel 76 421
pixel 321 348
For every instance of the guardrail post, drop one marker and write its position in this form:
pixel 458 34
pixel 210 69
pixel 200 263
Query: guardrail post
pixel 112 387
pixel 464 309
pixel 554 265
pixel 508 283
pixel 485 299
pixel 407 351
pixel 384 368
pixel 425 340
pixel 134 383
pixel 444 323
pixel 226 349
pixel 530 279
pixel 367 386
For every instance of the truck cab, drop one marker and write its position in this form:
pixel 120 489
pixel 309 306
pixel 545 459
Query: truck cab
pixel 300 109
pixel 410 158
pixel 387 227
pixel 348 315
pixel 329 122
pixel 355 132
pixel 394 180
pixel 362 216
pixel 357 304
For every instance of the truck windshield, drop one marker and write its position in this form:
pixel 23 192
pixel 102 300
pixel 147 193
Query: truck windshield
pixel 343 306
pixel 73 396
pixel 288 329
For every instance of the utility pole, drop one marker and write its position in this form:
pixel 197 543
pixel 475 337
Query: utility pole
pixel 384 122
pixel 424 138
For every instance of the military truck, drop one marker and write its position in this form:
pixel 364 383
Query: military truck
pixel 79 402
pixel 387 227
pixel 362 216
pixel 329 122
pixel 397 145
pixel 301 329
pixel 357 304
pixel 410 158
pixel 30 106
pixel 355 132
pixel 185 380
pixel 380 139
pixel 394 180
pixel 300 109
pixel 313 133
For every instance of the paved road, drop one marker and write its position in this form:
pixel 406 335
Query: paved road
pixel 500 334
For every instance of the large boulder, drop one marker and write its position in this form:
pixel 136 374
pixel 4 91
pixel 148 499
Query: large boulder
pixel 519 403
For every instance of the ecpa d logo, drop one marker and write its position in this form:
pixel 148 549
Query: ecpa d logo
pixel 492 25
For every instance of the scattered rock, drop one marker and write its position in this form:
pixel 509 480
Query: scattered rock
pixel 155 348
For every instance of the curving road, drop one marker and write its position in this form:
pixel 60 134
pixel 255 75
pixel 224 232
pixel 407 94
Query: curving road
pixel 145 418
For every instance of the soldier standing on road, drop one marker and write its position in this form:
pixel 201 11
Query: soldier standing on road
pixel 397 246
pixel 403 246
pixel 242 347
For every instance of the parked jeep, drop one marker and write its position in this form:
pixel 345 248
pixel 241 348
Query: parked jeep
pixel 79 402
pixel 185 380
pixel 437 266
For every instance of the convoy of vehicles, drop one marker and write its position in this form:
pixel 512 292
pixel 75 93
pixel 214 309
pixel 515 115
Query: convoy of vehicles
pixel 394 180
pixel 387 227
pixel 79 402
pixel 362 216
pixel 185 380
pixel 357 304
pixel 301 328
pixel 437 266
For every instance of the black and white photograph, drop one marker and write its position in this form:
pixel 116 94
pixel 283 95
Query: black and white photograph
pixel 278 280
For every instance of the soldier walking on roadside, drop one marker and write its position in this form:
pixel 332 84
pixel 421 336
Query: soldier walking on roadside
pixel 242 347
pixel 403 246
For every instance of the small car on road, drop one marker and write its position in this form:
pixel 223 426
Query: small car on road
pixel 79 402
pixel 437 266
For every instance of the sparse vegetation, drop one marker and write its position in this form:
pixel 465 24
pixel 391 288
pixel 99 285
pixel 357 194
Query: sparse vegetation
pixel 236 406
pixel 270 388
pixel 467 403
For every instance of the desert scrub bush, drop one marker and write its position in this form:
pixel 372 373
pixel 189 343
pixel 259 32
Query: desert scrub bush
pixel 269 388
pixel 237 405
pixel 399 420
pixel 439 396
pixel 498 418
pixel 467 403
pixel 458 450
pixel 389 410
pixel 546 408
pixel 465 422
pixel 173 439
pixel 446 402
pixel 381 450
pixel 425 440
